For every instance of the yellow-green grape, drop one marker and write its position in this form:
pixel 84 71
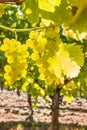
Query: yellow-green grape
pixel 49 80
pixel 14 73
pixel 45 44
pixel 50 77
pixel 22 50
pixel 52 47
pixel 39 63
pixel 35 55
pixel 7 68
pixel 45 64
pixel 37 41
pixel 2 8
pixel 6 44
pixel 41 40
pixel 42 76
pixel 41 69
pixel 33 35
pixel 8 78
pixel 10 45
pixel 16 54
pixel 51 33
pixel 30 43
pixel 47 72
pixel 41 44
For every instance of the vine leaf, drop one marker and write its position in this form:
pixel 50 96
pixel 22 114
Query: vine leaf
pixel 75 52
pixel 79 18
pixel 48 5
pixel 32 11
pixel 65 62
pixel 48 10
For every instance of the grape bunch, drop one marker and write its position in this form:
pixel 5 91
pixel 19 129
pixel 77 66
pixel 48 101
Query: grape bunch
pixel 44 44
pixel 16 54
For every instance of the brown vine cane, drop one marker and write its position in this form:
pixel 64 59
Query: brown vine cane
pixel 12 1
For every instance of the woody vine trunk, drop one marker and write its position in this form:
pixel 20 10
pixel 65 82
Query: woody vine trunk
pixel 55 109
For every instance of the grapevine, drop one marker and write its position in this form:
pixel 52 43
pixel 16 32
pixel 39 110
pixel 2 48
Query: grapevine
pixel 47 48
pixel 43 49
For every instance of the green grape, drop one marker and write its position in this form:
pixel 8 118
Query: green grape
pixel 39 63
pixel 16 57
pixel 6 45
pixel 7 68
pixel 52 33
pixel 41 40
pixel 30 43
pixel 42 77
pixel 45 44
pixel 45 64
pixel 53 58
pixel 41 44
pixel 35 56
pixel 49 81
pixel 33 35
pixel 10 60
pixel 52 48
pixel 41 69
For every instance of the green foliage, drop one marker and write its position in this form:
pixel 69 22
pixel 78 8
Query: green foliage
pixel 14 18
pixel 2 8
pixel 52 55
pixel 48 5
pixel 79 15
pixel 65 62
pixel 31 10
pixel 47 10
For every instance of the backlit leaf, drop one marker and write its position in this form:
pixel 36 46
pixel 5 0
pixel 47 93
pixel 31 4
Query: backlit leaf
pixel 48 5
pixel 31 10
pixel 65 62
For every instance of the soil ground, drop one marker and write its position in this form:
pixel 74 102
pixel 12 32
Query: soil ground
pixel 14 108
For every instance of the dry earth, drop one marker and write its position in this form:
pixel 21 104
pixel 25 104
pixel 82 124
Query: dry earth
pixel 14 108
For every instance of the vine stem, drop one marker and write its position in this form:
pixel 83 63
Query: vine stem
pixel 17 30
pixel 24 29
pixel 6 28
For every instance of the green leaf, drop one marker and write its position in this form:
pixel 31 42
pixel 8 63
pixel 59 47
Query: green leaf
pixel 55 16
pixel 54 2
pixel 48 5
pixel 75 52
pixel 79 19
pixel 56 65
pixel 65 62
pixel 78 3
pixel 32 11
pixel 48 10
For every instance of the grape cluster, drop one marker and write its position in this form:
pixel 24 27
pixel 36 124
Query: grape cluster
pixel 16 54
pixel 44 44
